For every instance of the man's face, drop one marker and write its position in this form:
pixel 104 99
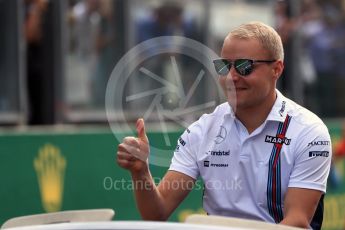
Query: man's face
pixel 253 90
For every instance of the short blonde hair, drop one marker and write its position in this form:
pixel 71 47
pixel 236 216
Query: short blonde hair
pixel 266 35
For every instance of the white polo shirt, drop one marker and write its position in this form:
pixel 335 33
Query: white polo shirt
pixel 247 175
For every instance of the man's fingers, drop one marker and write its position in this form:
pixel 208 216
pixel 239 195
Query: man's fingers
pixel 134 151
pixel 125 156
pixel 124 163
pixel 131 141
pixel 129 148
pixel 129 144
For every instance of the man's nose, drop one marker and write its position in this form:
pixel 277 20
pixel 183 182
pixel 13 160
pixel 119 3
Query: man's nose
pixel 233 75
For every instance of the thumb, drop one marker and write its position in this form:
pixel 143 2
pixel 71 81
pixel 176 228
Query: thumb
pixel 141 130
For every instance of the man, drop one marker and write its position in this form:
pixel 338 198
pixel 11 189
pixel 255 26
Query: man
pixel 276 152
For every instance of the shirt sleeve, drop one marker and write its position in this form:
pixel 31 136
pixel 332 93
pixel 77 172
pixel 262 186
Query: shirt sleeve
pixel 185 155
pixel 312 159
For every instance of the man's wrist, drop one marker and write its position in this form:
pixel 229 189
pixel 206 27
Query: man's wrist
pixel 141 174
pixel 142 180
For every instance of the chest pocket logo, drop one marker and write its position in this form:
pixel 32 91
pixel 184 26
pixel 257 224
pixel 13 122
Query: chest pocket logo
pixel 222 133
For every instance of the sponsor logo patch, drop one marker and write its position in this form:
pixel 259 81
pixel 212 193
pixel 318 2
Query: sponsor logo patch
pixel 219 153
pixel 277 140
pixel 318 154
pixel 282 109
pixel 215 165
pixel 313 143
pixel 222 133
pixel 219 165
pixel 182 142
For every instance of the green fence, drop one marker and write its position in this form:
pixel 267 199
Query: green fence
pixel 71 170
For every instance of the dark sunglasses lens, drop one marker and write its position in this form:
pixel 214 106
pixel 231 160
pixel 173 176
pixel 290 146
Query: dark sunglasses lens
pixel 222 66
pixel 244 66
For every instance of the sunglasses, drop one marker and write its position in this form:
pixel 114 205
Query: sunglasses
pixel 243 67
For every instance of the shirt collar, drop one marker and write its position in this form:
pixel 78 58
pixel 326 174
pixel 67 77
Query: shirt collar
pixel 277 113
pixel 229 111
pixel 279 109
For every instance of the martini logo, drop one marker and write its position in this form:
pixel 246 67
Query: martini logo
pixel 50 167
pixel 277 140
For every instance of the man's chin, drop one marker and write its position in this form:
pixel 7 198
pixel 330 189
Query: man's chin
pixel 232 102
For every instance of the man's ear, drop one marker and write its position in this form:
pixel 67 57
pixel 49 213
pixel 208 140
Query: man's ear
pixel 278 69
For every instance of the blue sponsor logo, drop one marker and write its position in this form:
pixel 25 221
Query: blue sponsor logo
pixel 219 153
pixel 313 143
pixel 318 154
pixel 282 109
pixel 182 142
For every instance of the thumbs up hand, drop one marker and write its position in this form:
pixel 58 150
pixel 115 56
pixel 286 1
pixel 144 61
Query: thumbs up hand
pixel 133 152
pixel 141 131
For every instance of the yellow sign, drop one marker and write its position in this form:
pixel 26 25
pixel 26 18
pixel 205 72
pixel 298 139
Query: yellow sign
pixel 50 169
pixel 334 215
pixel 182 215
